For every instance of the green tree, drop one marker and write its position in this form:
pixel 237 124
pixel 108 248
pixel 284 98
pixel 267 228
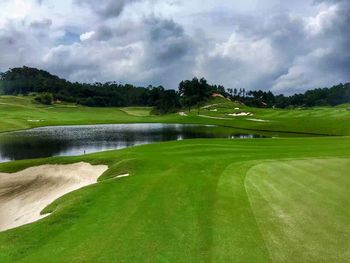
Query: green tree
pixel 194 92
pixel 168 102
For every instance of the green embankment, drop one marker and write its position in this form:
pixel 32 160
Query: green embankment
pixel 20 113
pixel 198 201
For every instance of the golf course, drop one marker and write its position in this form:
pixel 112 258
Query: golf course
pixel 146 131
pixel 280 198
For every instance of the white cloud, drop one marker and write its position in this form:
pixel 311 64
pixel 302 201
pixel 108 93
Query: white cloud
pixel 322 20
pixel 16 9
pixel 87 35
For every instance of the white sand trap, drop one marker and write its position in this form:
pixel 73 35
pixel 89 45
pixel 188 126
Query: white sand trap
pixel 240 114
pixel 122 175
pixel 215 110
pixel 258 120
pixel 182 114
pixel 23 195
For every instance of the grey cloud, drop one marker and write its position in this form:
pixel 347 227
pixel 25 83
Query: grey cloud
pixel 19 46
pixel 39 24
pixel 327 61
pixel 104 33
pixel 105 8
pixel 253 58
pixel 163 28
pixel 329 1
pixel 314 70
pixel 171 54
pixel 283 54
pixel 167 41
pixel 73 62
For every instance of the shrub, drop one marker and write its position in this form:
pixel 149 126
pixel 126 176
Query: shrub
pixel 44 98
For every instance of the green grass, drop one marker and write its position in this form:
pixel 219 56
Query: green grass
pixel 301 207
pixel 20 113
pixel 194 201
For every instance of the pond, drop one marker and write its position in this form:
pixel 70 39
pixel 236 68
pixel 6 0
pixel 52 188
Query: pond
pixel 78 140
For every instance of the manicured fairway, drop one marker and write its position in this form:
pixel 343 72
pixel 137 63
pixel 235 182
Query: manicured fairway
pixel 302 208
pixel 197 201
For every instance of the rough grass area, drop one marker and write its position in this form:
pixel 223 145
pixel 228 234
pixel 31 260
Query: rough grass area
pixel 21 113
pixel 187 202
pixel 301 207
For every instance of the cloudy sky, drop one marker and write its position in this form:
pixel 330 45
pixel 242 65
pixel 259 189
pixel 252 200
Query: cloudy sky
pixel 278 45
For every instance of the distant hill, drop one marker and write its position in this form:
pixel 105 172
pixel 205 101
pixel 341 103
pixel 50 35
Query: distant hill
pixel 27 80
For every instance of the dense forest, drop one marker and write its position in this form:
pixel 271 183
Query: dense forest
pixel 190 93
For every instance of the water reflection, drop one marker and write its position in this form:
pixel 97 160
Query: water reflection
pixel 77 140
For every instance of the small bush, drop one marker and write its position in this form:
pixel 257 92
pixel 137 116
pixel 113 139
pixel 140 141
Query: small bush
pixel 44 98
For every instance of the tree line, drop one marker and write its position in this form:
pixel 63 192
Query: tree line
pixel 190 93
pixel 335 95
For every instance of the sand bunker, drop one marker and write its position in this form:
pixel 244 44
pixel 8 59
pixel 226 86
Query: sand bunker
pixel 240 114
pixel 119 176
pixel 122 175
pixel 23 195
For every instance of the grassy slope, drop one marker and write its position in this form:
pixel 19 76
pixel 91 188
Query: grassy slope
pixel 184 202
pixel 20 113
pixel 302 208
pixel 137 111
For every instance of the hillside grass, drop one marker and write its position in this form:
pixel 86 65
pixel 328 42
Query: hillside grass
pixel 21 113
pixel 197 201
pixel 138 111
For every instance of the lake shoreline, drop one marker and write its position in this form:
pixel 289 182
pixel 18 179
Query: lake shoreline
pixel 75 140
